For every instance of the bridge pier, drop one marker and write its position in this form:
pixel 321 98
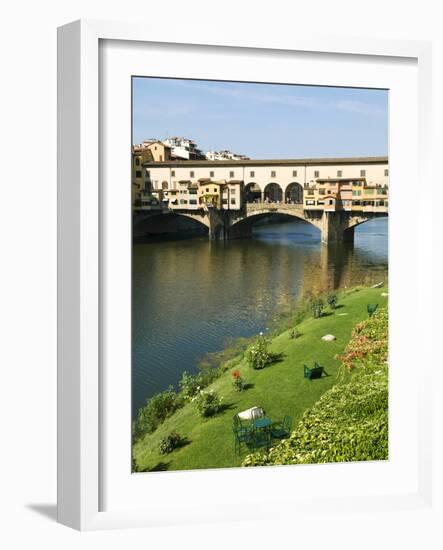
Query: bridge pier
pixel 217 226
pixel 334 227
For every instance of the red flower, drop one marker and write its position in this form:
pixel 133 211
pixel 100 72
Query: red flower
pixel 235 374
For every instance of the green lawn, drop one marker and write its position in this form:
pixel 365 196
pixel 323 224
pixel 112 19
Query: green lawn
pixel 280 389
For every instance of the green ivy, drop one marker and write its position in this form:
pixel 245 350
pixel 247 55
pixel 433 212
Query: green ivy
pixel 350 421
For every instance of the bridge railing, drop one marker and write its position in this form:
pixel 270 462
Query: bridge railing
pixel 250 206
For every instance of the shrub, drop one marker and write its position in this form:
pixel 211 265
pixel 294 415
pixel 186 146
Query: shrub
pixel 172 441
pixel 369 342
pixel 332 300
pixel 208 403
pixel 189 385
pixel 316 306
pixel 156 410
pixel 258 355
pixel 350 421
pixel 293 333
pixel 208 374
pixel 237 381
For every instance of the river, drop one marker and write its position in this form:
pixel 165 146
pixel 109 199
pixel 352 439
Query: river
pixel 191 296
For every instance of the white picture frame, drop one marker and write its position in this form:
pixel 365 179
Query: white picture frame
pixel 82 439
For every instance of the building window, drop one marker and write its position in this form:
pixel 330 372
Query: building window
pixel 138 174
pixel 252 174
pixel 173 173
pixel 192 201
pixel 224 201
pixel 386 172
pixel 215 190
pixel 316 174
pixel 294 173
pixel 272 173
pixel 339 173
pixel 191 174
pixel 232 189
pixel 137 161
pixel 231 174
pixel 211 174
pixel 232 201
pixel 207 190
pixel 362 173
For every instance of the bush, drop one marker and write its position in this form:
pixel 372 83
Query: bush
pixel 293 333
pixel 316 306
pixel 208 403
pixel 172 441
pixel 332 300
pixel 258 355
pixel 156 410
pixel 208 374
pixel 191 384
pixel 369 342
pixel 350 421
pixel 237 381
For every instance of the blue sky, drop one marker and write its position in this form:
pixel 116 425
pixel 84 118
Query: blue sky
pixel 263 120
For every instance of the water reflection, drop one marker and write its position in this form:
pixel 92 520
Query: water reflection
pixel 190 297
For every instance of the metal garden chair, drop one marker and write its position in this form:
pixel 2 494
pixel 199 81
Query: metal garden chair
pixel 281 430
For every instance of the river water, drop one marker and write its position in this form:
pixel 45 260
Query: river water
pixel 191 296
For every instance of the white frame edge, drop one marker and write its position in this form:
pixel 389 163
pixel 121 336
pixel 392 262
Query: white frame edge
pixel 78 251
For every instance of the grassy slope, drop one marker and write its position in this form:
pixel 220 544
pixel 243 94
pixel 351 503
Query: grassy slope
pixel 280 389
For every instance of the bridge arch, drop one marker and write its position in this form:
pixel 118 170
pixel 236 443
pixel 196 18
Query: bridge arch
pixel 252 192
pixel 356 221
pixel 242 227
pixel 294 193
pixel 160 216
pixel 273 193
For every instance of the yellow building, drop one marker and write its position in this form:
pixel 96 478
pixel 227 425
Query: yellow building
pixel 370 197
pixel 209 193
pixel 139 156
pixel 354 194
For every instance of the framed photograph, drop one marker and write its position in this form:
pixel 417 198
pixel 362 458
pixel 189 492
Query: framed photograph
pixel 239 275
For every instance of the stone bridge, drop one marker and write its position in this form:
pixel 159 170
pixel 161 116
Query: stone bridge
pixel 335 225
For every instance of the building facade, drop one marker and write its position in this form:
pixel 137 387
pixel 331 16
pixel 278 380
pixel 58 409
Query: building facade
pixel 224 155
pixel 159 151
pixel 184 148
pixel 339 183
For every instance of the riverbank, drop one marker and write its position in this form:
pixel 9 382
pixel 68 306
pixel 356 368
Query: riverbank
pixel 279 388
pixel 194 297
